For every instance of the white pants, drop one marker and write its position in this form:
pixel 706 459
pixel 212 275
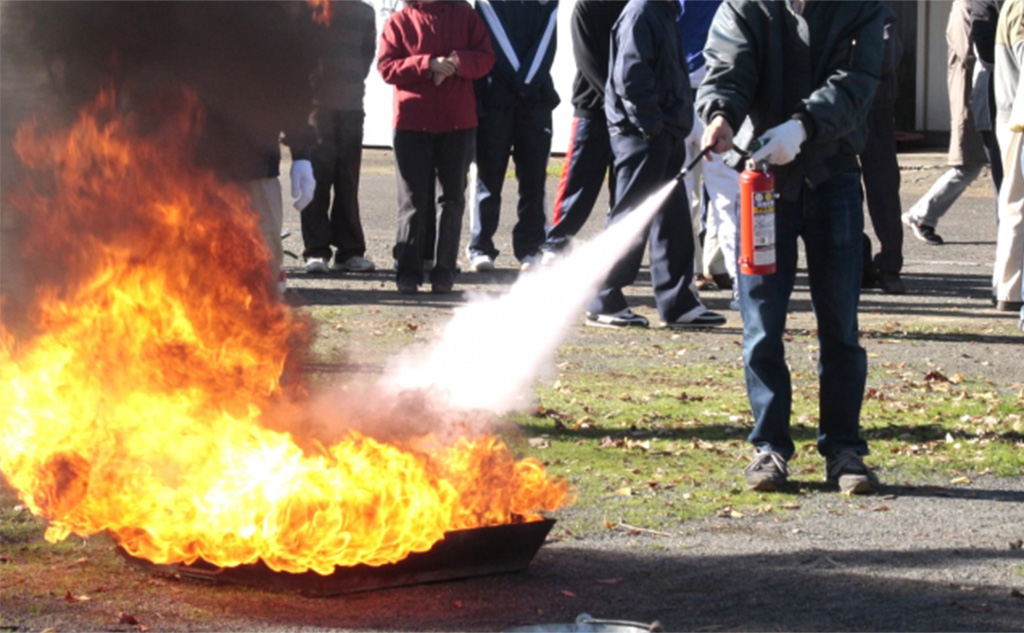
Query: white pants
pixel 722 184
pixel 1006 274
pixel 266 200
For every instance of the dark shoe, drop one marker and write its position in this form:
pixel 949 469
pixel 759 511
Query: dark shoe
pixel 767 472
pixel 851 474
pixel 923 232
pixel 696 318
pixel 701 282
pixel 441 283
pixel 722 280
pixel 1009 306
pixel 869 278
pixel 620 319
pixel 891 284
pixel 408 285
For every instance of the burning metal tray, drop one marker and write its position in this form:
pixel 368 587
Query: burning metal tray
pixel 460 554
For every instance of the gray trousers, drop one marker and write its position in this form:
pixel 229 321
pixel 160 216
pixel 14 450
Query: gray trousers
pixel 934 204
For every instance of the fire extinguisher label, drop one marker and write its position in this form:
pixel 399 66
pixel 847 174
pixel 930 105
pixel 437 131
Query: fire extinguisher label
pixel 764 228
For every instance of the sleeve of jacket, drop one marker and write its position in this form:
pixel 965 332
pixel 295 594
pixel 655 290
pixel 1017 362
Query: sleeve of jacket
pixel 584 43
pixel 549 45
pixel 984 16
pixel 478 58
pixel 731 56
pixel 369 44
pixel 395 63
pixel 631 72
pixel 841 103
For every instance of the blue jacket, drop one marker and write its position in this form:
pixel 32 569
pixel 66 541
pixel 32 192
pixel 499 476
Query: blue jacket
pixel 648 90
pixel 523 36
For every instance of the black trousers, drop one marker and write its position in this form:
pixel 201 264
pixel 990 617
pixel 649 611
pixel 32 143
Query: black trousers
pixel 524 132
pixel 423 159
pixel 881 174
pixel 641 168
pixel 336 163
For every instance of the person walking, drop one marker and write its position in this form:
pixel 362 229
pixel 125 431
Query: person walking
pixel 881 173
pixel 806 106
pixel 516 102
pixel 589 157
pixel 966 153
pixel 345 47
pixel 649 107
pixel 431 52
pixel 1009 93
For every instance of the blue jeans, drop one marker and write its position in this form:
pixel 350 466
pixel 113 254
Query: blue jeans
pixel 830 219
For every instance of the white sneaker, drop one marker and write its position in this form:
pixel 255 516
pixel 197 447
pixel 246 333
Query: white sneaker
pixel 549 257
pixel 316 265
pixel 480 263
pixel 354 264
pixel 529 262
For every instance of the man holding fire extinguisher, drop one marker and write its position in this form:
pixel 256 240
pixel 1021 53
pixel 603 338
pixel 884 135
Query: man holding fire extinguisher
pixel 802 74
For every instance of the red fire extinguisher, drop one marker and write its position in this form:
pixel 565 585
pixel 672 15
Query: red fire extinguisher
pixel 757 220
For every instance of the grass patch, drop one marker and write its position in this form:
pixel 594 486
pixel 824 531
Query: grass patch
pixel 650 438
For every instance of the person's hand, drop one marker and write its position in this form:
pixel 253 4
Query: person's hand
pixel 442 65
pixel 303 183
pixel 437 78
pixel 781 144
pixel 453 57
pixel 717 136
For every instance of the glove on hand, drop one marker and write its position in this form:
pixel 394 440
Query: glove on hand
pixel 303 183
pixel 781 144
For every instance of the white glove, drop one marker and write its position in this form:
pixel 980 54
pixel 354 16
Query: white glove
pixel 781 144
pixel 303 183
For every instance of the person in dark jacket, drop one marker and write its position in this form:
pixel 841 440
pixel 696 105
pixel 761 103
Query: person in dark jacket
pixel 431 52
pixel 345 41
pixel 649 107
pixel 803 74
pixel 516 101
pixel 882 173
pixel 589 157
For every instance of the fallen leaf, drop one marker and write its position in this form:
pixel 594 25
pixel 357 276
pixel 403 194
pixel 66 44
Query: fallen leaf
pixel 625 492
pixel 70 598
pixel 979 608
pixel 126 618
pixel 1016 593
pixel 568 594
pixel 790 506
pixel 960 481
pixel 539 442
pixel 880 509
pixel 614 581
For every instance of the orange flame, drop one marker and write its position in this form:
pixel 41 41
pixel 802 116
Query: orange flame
pixel 321 11
pixel 139 404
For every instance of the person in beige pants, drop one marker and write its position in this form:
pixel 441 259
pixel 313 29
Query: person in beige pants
pixel 1009 90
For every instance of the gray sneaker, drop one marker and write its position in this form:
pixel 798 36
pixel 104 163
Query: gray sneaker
pixel 851 474
pixel 767 472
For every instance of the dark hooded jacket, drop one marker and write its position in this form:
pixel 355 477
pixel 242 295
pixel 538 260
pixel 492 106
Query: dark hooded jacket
pixel 767 63
pixel 648 90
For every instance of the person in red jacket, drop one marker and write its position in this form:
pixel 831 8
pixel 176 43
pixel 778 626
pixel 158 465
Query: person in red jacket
pixel 431 52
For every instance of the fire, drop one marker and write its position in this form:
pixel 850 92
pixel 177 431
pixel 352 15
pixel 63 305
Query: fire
pixel 138 401
pixel 321 11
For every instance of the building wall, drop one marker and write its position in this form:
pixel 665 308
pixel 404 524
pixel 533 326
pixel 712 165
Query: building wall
pixel 923 31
